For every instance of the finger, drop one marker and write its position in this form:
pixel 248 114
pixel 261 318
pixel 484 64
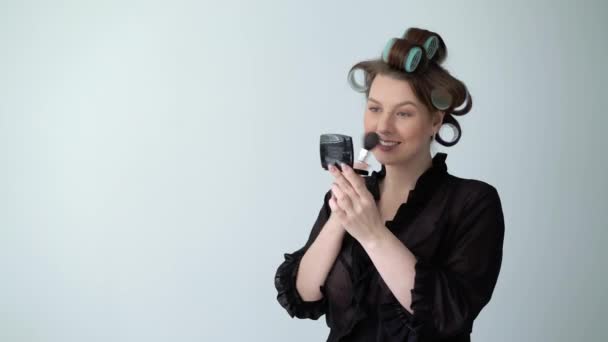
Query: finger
pixel 344 202
pixel 344 184
pixel 335 207
pixel 333 199
pixel 356 181
pixel 346 189
pixel 332 204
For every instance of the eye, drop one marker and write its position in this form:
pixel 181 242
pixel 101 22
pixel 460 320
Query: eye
pixel 373 109
pixel 405 114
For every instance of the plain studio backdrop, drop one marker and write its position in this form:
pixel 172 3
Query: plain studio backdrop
pixel 158 158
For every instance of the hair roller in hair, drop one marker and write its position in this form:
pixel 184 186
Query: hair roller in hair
pixel 430 41
pixel 353 83
pixel 455 126
pixel 467 106
pixel 396 49
pixel 430 46
pixel 441 98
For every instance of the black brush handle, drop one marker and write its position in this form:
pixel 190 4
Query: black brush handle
pixel 361 172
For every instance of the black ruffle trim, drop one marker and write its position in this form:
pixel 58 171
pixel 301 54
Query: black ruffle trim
pixel 402 325
pixel 288 296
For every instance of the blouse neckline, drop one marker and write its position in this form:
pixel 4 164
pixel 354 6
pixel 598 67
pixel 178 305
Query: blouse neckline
pixel 425 185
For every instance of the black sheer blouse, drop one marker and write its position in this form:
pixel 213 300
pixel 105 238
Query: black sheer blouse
pixel 454 227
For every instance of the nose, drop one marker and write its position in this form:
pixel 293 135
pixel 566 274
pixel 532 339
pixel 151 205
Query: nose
pixel 384 126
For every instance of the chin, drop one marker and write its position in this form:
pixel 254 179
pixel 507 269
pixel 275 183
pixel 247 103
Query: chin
pixel 395 157
pixel 388 160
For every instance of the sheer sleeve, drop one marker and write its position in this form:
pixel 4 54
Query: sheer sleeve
pixel 448 295
pixel 285 277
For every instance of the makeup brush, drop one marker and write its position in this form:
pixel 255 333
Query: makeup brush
pixel 370 140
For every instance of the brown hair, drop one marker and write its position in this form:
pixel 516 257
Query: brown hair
pixel 429 75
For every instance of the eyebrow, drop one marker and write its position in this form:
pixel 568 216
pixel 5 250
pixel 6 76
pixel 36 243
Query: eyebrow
pixel 397 105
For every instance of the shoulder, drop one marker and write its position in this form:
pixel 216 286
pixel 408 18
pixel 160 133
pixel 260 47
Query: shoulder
pixel 468 191
pixel 475 208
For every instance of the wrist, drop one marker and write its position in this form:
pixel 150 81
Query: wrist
pixel 376 239
pixel 334 226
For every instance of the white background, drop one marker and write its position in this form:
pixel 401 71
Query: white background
pixel 158 158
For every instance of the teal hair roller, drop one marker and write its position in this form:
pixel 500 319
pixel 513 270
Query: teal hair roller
pixel 387 49
pixel 413 57
pixel 353 82
pixel 431 45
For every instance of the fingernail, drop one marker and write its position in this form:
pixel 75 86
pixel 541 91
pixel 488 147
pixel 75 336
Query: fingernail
pixel 344 166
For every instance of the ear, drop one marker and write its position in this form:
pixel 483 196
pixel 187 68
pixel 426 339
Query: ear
pixel 437 120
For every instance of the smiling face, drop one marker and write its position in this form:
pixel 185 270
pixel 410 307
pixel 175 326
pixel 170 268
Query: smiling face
pixel 393 111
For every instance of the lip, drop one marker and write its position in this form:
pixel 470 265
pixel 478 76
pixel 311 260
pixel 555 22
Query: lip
pixel 386 148
pixel 387 140
pixel 398 142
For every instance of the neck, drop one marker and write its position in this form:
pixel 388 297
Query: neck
pixel 401 178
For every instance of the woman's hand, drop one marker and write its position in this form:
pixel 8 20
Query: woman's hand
pixel 353 205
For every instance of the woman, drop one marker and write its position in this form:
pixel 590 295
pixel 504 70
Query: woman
pixel 410 253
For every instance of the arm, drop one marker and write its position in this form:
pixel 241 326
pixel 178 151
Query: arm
pixel 443 299
pixel 300 277
pixel 394 262
pixel 318 260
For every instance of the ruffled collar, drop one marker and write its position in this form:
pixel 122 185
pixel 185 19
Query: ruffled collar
pixel 425 184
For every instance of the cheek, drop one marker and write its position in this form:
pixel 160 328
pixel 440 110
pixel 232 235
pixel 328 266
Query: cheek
pixel 368 123
pixel 413 132
pixel 410 131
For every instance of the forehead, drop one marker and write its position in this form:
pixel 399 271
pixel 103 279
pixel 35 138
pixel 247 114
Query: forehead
pixel 390 90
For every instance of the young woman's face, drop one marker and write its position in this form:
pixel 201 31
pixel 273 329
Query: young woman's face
pixel 393 111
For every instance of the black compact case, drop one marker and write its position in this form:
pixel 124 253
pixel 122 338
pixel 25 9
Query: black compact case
pixel 336 149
